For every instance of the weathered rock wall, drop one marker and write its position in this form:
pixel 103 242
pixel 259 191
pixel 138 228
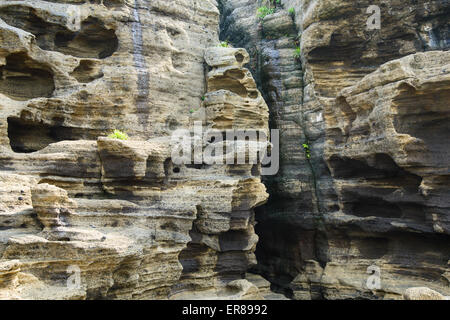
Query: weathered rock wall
pixel 83 216
pixel 363 118
pixel 373 191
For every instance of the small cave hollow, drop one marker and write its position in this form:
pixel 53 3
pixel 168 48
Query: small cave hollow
pixel 363 206
pixel 377 166
pixel 87 71
pixel 239 57
pixel 230 81
pixel 225 83
pixel 253 94
pixel 93 40
pixel 23 78
pixel 346 168
pixel 26 136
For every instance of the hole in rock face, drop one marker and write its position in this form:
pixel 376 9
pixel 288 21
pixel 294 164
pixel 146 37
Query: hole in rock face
pixel 176 170
pixel 26 18
pixel 26 136
pixel 23 78
pixel 113 3
pixel 239 57
pixel 363 206
pixel 367 207
pixel 378 166
pixel 235 74
pixel 253 94
pixel 93 40
pixel 87 71
pixel 230 81
pixel 345 168
pixel 225 83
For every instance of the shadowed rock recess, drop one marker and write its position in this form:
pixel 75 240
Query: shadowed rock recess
pixel 84 216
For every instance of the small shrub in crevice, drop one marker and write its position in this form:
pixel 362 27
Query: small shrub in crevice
pixel 117 134
pixel 297 53
pixel 264 11
pixel 307 150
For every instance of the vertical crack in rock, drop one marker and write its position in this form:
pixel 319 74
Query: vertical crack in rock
pixel 143 80
pixel 280 77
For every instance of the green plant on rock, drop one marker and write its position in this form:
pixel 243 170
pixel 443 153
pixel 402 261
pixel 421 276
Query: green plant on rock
pixel 264 11
pixel 117 134
pixel 307 150
pixel 291 11
pixel 224 44
pixel 297 53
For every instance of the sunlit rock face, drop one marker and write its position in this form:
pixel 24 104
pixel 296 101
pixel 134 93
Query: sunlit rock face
pixel 374 190
pixel 74 69
pixel 84 216
pixel 358 209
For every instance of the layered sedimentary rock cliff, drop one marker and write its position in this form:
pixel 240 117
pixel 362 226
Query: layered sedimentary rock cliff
pixel 363 115
pixel 86 216
pixel 369 187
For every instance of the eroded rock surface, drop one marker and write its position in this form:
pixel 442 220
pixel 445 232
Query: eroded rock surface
pixel 362 191
pixel 83 216
pixel 370 187
pixel 422 293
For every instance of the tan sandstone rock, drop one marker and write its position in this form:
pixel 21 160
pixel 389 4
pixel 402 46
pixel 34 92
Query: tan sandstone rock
pixel 422 293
